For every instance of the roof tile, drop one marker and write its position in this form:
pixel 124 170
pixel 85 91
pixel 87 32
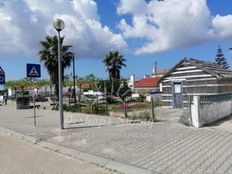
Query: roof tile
pixel 147 82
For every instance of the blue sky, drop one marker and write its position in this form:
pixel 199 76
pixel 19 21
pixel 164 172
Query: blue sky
pixel 143 32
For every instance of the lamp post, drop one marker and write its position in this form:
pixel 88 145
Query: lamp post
pixel 74 84
pixel 59 26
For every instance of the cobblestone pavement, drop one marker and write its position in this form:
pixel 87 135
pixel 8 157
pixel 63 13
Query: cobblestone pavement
pixel 166 147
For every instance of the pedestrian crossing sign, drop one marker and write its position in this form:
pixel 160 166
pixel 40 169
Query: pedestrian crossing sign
pixel 33 70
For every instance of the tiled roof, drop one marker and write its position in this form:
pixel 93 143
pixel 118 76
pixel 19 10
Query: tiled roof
pixel 147 82
pixel 208 67
pixel 85 85
pixel 211 68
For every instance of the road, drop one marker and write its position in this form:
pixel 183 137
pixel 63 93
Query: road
pixel 24 158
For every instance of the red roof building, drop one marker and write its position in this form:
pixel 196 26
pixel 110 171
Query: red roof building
pixel 148 82
pixel 86 85
pixel 146 85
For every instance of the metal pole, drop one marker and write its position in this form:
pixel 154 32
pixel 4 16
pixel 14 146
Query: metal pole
pixel 156 75
pixel 152 109
pixel 33 81
pixel 74 84
pixel 125 109
pixel 105 90
pixel 60 85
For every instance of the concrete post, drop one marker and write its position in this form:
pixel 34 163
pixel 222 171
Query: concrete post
pixel 195 111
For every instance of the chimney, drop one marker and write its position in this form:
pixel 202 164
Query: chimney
pixel 132 79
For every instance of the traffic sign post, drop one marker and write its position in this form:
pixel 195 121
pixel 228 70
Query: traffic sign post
pixel 33 71
pixel 33 81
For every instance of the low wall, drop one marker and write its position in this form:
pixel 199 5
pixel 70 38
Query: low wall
pixel 207 109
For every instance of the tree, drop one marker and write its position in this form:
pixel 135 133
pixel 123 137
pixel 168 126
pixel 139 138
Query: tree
pixel 49 55
pixel 12 84
pixel 121 88
pixel 124 90
pixel 114 63
pixel 220 59
pixel 19 84
pixel 43 83
pixel 90 78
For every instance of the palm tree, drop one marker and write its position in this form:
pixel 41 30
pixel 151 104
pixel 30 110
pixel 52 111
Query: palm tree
pixel 114 63
pixel 49 55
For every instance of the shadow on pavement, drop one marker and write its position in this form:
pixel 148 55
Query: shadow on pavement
pixel 37 116
pixel 219 122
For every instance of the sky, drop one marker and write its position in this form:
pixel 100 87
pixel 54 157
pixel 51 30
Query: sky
pixel 143 31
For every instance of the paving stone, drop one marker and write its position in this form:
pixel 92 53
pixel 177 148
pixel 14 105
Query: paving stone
pixel 163 147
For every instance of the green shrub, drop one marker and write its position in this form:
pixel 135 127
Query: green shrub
pixel 144 115
pixel 142 97
pixel 2 92
pixel 72 108
pixel 98 109
pixel 158 103
pixel 87 108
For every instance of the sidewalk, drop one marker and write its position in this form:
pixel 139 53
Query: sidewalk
pixel 129 147
pixel 20 157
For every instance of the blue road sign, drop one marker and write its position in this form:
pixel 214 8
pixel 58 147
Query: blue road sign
pixel 2 76
pixel 1 71
pixel 2 79
pixel 33 70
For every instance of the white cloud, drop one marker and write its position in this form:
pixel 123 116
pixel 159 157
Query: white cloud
pixel 135 6
pixel 223 26
pixel 25 22
pixel 171 24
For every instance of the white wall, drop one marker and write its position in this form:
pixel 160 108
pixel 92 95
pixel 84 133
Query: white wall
pixel 208 113
pixel 215 111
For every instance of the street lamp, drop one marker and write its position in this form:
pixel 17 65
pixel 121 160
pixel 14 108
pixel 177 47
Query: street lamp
pixel 74 84
pixel 59 26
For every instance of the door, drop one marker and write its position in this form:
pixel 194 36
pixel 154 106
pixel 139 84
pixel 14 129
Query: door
pixel 177 94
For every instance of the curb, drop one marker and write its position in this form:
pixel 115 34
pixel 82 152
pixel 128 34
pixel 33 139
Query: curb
pixel 99 161
pixel 30 139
